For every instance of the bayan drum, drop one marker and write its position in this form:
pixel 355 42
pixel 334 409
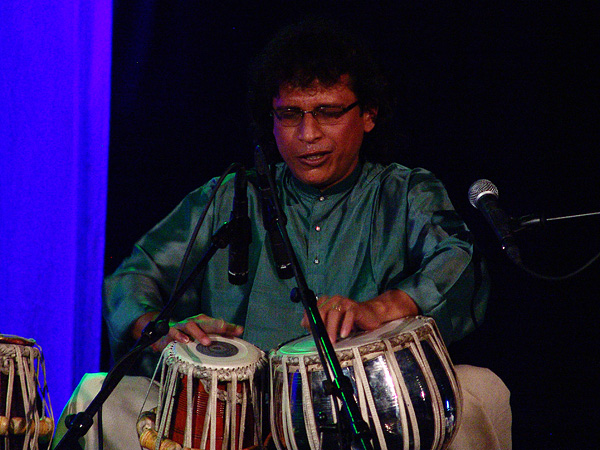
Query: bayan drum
pixel 26 420
pixel 403 380
pixel 210 397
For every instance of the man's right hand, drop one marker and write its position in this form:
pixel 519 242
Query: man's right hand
pixel 196 327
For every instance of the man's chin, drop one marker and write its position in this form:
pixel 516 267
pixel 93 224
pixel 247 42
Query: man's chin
pixel 319 182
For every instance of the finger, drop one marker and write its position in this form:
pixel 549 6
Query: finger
pixel 332 322
pixel 347 323
pixel 322 301
pixel 194 330
pixel 366 318
pixel 174 335
pixel 304 322
pixel 161 344
pixel 231 329
pixel 338 307
pixel 209 325
pixel 179 335
pixel 219 326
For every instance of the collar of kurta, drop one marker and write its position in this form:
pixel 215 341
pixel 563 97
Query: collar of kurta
pixel 343 186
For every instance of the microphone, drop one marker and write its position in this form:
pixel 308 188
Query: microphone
pixel 241 235
pixel 272 214
pixel 483 195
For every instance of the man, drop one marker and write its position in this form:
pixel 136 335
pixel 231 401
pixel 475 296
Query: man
pixel 375 242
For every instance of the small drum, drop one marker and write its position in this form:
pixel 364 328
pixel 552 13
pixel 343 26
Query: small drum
pixel 26 419
pixel 210 397
pixel 403 380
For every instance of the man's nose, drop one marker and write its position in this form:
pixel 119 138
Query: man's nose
pixel 309 129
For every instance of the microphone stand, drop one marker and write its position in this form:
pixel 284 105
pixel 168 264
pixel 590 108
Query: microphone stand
pixel 151 333
pixel 337 384
pixel 533 220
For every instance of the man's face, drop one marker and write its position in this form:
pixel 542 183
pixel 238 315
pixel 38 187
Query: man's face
pixel 321 155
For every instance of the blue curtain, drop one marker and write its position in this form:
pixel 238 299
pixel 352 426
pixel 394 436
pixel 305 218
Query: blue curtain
pixel 54 118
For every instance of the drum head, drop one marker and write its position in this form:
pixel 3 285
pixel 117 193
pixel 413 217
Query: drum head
pixel 16 340
pixel 306 344
pixel 223 352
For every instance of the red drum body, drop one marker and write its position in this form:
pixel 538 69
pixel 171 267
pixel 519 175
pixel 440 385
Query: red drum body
pixel 26 420
pixel 404 384
pixel 210 397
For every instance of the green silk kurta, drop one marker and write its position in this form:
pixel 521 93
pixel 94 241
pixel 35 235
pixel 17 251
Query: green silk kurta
pixel 383 227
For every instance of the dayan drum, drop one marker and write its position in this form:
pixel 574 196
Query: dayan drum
pixel 404 384
pixel 210 397
pixel 26 420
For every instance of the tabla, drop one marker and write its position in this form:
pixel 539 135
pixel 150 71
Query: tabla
pixel 209 397
pixel 404 384
pixel 26 419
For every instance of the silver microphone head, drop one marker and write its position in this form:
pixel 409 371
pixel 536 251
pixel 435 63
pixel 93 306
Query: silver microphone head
pixel 479 188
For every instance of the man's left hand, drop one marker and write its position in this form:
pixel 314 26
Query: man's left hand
pixel 341 315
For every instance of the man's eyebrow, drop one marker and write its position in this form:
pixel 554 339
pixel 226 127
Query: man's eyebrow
pixel 320 105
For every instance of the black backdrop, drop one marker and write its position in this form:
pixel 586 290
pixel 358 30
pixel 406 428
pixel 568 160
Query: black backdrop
pixel 506 91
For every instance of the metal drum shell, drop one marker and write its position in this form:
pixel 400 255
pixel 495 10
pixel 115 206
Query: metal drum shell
pixel 420 373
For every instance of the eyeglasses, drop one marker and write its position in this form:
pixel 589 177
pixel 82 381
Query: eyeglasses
pixel 324 115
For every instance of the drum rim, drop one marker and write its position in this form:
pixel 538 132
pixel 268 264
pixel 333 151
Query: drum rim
pixel 369 350
pixel 10 352
pixel 12 339
pixel 243 370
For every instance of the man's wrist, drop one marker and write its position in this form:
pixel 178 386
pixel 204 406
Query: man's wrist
pixel 394 304
pixel 141 322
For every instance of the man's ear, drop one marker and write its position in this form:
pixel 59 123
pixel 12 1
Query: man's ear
pixel 369 118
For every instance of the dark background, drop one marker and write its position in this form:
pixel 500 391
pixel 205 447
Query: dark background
pixel 507 91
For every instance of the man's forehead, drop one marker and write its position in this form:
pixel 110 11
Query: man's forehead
pixel 315 88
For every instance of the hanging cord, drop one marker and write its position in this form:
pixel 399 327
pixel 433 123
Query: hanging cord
pixel 188 251
pixel 558 277
pixel 193 237
pixel 477 284
pixel 540 221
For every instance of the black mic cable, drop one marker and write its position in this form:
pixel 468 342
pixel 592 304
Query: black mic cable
pixel 272 216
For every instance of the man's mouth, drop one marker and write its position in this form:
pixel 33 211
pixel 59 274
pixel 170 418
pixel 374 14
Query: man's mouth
pixel 313 158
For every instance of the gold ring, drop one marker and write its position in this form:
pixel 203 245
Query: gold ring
pixel 337 307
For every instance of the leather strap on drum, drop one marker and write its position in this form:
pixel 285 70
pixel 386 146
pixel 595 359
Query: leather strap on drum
pixel 400 386
pixel 21 365
pixel 362 384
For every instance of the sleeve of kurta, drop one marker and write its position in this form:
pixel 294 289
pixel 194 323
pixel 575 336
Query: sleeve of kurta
pixel 144 281
pixel 429 253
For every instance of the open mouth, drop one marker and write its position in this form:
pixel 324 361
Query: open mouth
pixel 313 158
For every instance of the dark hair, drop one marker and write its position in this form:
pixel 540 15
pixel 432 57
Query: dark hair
pixel 319 50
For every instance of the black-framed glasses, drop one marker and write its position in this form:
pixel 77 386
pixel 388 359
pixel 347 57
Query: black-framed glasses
pixel 324 115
